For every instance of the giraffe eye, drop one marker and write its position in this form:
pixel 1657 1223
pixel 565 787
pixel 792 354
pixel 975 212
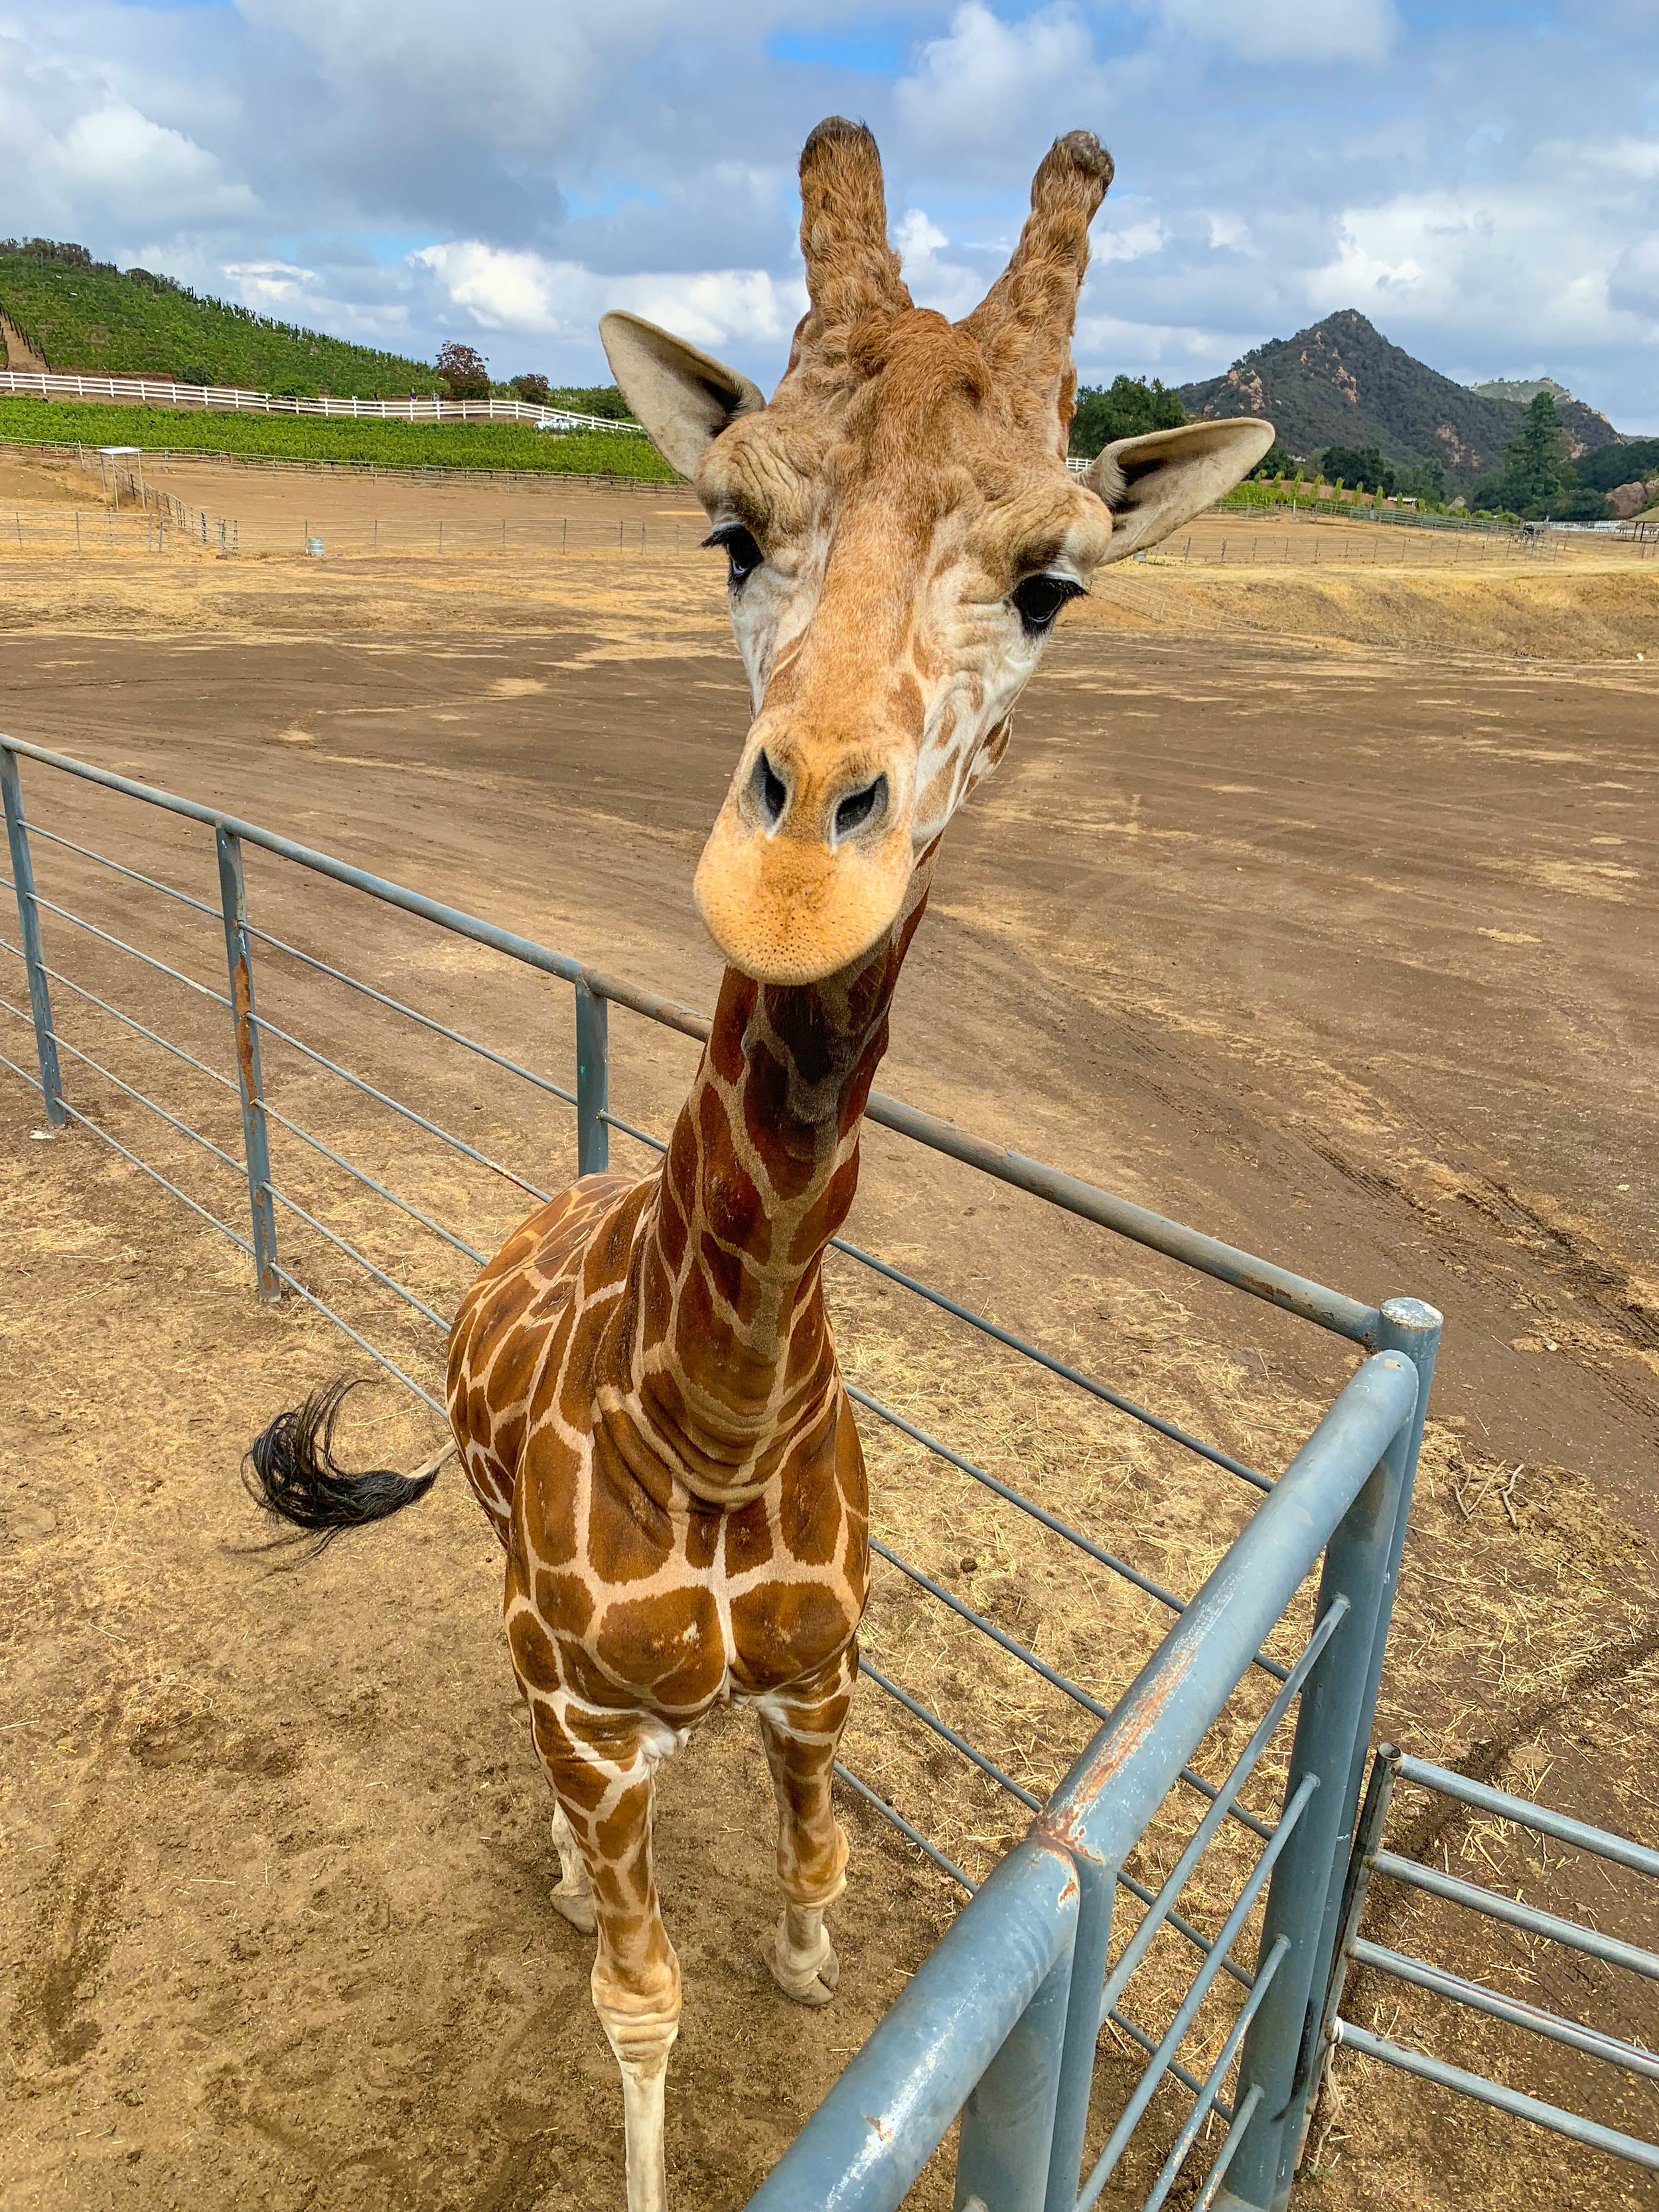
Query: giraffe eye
pixel 1040 599
pixel 740 548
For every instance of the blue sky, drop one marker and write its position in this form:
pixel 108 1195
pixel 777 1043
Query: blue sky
pixel 1480 177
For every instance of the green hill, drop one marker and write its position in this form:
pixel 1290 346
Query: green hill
pixel 86 315
pixel 1341 383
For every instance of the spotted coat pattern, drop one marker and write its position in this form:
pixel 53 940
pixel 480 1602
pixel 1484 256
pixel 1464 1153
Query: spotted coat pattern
pixel 644 1388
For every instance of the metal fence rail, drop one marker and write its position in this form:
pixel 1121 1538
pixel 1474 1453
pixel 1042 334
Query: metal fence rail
pixel 1009 2010
pixel 1371 1859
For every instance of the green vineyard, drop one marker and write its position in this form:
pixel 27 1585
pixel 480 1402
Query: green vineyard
pixel 387 445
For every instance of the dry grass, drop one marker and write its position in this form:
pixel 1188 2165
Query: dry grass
pixel 1524 1646
pixel 1515 1583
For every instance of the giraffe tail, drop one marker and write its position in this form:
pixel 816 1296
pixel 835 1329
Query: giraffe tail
pixel 290 1469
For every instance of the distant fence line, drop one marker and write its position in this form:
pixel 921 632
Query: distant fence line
pixel 1340 551
pixel 90 531
pixel 234 399
pixel 193 522
pixel 153 514
pixel 662 538
pixel 554 533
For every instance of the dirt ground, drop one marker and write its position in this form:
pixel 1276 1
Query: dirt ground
pixel 1278 929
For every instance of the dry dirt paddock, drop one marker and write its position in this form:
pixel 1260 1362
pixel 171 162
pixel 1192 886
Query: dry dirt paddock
pixel 1342 949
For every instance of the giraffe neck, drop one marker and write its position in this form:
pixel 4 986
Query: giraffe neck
pixel 733 1359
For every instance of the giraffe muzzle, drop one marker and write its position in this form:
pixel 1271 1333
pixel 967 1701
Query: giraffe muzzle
pixel 805 871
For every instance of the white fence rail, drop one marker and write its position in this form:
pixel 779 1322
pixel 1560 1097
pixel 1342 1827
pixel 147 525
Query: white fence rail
pixel 231 399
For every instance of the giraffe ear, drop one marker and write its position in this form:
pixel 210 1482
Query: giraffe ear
pixel 1155 483
pixel 684 397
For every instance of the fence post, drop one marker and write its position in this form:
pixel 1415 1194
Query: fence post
pixel 233 899
pixel 1097 1893
pixel 1334 1724
pixel 1367 1841
pixel 592 1082
pixel 28 922
pixel 1008 2121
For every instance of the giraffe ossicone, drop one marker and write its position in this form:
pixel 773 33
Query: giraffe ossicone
pixel 642 1382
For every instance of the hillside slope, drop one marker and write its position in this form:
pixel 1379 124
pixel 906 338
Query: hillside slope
pixel 1341 383
pixel 77 313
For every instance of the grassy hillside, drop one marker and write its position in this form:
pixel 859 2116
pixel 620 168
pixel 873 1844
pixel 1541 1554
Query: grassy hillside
pixel 1341 383
pixel 87 315
pixel 302 438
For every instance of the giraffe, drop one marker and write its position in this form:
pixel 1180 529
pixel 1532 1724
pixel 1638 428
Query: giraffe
pixel 643 1386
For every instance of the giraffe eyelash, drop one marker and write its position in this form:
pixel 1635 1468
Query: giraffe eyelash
pixel 738 542
pixel 1039 599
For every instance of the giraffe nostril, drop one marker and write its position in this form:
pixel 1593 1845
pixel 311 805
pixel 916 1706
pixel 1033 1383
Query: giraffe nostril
pixel 771 792
pixel 862 806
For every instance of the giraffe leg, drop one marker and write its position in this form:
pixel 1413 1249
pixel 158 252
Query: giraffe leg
pixel 574 1894
pixel 603 1785
pixel 800 1732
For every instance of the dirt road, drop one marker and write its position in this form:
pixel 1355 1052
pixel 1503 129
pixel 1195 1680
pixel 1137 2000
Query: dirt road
pixel 1343 954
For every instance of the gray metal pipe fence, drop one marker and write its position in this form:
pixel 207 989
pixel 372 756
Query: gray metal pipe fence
pixel 1042 1971
pixel 1370 1859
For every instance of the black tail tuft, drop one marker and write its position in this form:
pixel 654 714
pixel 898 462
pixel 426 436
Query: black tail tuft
pixel 290 1469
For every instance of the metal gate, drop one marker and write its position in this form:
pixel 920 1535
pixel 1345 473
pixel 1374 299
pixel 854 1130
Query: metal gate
pixel 1370 1858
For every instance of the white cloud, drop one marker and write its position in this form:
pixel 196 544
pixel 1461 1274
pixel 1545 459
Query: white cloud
pixel 1637 159
pixel 69 140
pixel 1104 345
pixel 989 85
pixel 1290 30
pixel 1506 257
pixel 523 292
pixel 916 237
pixel 949 286
pixel 1132 242
pixel 1633 281
pixel 272 285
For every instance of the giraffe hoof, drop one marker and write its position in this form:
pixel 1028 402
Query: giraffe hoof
pixel 809 1980
pixel 818 1989
pixel 577 1907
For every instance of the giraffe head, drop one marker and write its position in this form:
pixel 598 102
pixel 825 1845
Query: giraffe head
pixel 902 531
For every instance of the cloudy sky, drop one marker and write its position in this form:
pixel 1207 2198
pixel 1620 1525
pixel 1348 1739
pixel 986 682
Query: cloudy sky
pixel 1480 177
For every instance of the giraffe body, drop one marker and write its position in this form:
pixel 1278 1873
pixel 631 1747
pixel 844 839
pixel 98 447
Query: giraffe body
pixel 642 1383
pixel 644 1388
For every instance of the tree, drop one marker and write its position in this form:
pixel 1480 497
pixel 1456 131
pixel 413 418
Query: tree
pixel 1359 464
pixel 1276 463
pixel 1425 480
pixel 594 399
pixel 1535 464
pixel 531 387
pixel 1127 408
pixel 463 371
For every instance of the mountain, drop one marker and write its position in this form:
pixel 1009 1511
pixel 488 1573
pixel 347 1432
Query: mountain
pixel 1341 383
pixel 73 313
